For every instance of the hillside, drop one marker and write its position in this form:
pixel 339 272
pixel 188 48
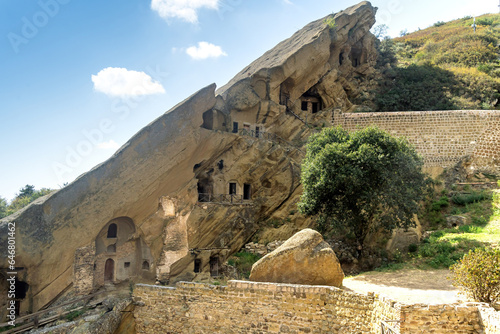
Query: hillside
pixel 444 67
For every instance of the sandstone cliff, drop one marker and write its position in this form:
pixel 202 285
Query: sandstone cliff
pixel 193 186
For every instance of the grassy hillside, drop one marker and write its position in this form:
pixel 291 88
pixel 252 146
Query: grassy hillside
pixel 444 67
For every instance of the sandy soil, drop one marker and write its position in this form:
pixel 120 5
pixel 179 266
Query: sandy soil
pixel 407 286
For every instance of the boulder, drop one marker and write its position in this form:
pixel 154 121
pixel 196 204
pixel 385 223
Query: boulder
pixel 305 258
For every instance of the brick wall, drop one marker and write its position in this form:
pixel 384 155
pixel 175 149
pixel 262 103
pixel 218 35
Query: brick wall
pixel 442 137
pixel 251 307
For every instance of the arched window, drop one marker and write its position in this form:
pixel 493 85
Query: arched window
pixel 145 265
pixel 112 229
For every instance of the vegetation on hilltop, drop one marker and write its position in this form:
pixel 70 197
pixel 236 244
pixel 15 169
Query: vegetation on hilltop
pixel 447 66
pixel 26 195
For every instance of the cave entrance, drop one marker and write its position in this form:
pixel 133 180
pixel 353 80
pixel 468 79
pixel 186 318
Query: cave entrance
pixel 109 270
pixel 214 266
pixel 205 186
pixel 247 191
pixel 197 265
pixel 356 56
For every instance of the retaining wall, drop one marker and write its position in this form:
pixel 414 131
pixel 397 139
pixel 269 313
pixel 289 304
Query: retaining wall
pixel 442 137
pixel 251 307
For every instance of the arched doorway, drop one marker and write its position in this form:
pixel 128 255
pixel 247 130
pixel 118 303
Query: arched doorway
pixel 109 270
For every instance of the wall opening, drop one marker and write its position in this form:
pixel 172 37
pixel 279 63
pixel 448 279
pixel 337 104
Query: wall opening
pixel 235 127
pixel 197 265
pixel 208 120
pixel 214 266
pixel 145 265
pixel 109 270
pixel 112 230
pixel 341 58
pixel 247 191
pixel 257 131
pixel 111 248
pixel 304 106
pixel 232 188
pixel 356 56
pixel 126 264
pixel 315 107
pixel 205 186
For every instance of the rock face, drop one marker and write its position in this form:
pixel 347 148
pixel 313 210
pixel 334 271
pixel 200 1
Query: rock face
pixel 193 186
pixel 305 258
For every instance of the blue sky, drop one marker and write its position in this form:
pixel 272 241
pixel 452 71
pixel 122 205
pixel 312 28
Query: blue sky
pixel 79 78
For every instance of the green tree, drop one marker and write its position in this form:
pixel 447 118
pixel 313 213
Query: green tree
pixel 26 191
pixel 362 181
pixel 26 195
pixel 3 207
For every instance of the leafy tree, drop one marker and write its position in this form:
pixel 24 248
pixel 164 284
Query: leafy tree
pixel 26 195
pixel 3 207
pixel 362 181
pixel 478 274
pixel 386 52
pixel 26 191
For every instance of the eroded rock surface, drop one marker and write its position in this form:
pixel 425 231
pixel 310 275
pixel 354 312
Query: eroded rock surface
pixel 305 258
pixel 193 186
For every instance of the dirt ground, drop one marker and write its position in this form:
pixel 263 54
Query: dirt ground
pixel 407 286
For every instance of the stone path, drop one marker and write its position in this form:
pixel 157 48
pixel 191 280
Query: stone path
pixel 407 286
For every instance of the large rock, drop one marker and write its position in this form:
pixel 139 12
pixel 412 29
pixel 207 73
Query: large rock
pixel 305 258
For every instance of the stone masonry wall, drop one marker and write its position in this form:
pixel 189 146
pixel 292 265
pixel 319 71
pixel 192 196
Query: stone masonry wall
pixel 84 270
pixel 251 307
pixel 447 318
pixel 442 137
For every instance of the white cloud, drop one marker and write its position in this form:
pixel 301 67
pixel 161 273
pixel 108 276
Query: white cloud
pixel 108 145
pixel 116 81
pixel 205 50
pixel 182 9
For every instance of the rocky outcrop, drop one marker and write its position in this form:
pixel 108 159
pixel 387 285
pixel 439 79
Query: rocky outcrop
pixel 305 258
pixel 193 186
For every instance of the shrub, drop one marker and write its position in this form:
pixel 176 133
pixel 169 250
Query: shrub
pixel 442 203
pixel 464 199
pixel 478 275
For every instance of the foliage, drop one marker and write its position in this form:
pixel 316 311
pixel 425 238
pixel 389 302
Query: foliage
pixel 26 195
pixel 3 207
pixel 478 274
pixel 442 203
pixel 330 22
pixel 243 262
pixel 74 314
pixel 446 66
pixel 386 52
pixel 413 88
pixel 361 182
pixel 463 199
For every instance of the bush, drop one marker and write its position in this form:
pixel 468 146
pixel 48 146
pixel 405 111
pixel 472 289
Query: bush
pixel 478 275
pixel 469 198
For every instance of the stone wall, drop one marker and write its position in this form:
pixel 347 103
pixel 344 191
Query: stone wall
pixel 490 319
pixel 251 307
pixel 442 137
pixel 452 319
